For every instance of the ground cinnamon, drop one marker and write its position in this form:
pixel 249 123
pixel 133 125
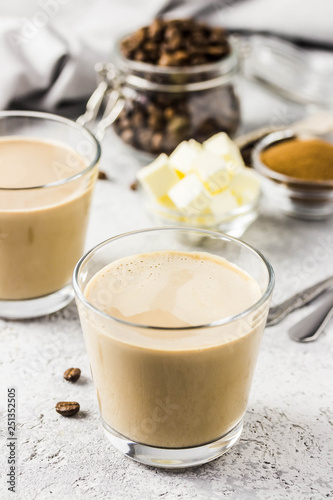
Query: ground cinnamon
pixel 310 159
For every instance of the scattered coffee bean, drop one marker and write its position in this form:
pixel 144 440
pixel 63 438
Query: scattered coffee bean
pixel 67 408
pixel 134 186
pixel 102 175
pixel 72 374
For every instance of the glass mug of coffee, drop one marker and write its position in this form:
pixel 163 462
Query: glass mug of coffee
pixel 172 320
pixel 48 167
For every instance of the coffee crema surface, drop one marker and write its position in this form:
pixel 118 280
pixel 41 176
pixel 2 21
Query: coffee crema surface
pixel 179 387
pixel 172 289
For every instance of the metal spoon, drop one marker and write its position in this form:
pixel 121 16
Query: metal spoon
pixel 279 312
pixel 311 327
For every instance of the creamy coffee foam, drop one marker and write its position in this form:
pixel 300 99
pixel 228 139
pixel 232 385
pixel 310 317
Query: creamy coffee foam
pixel 171 289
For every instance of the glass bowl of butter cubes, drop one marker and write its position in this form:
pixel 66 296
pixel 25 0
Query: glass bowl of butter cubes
pixel 203 186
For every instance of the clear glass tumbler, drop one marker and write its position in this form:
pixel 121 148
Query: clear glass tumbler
pixel 172 397
pixel 43 226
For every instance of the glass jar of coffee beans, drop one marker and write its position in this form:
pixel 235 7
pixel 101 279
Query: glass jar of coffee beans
pixel 177 78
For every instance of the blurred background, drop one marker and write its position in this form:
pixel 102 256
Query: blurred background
pixel 49 48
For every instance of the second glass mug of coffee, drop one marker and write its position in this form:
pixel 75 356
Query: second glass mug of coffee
pixel 43 215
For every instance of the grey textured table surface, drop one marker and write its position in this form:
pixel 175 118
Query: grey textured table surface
pixel 286 449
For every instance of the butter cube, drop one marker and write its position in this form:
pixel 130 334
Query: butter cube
pixel 245 186
pixel 190 195
pixel 183 156
pixel 166 202
pixel 158 177
pixel 212 170
pixel 223 202
pixel 221 145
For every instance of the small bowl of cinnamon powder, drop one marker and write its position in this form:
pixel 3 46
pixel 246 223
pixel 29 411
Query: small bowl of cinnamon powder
pixel 297 173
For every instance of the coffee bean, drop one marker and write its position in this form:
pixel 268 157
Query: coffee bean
pixel 127 135
pixel 155 30
pixel 156 142
pixel 164 99
pixel 144 138
pixel 217 35
pixel 134 186
pixel 176 42
pixel 165 60
pixel 216 50
pixel 67 408
pixel 134 41
pixel 152 108
pixel 169 113
pixel 138 118
pixel 151 47
pixel 180 57
pixel 127 52
pixel 198 59
pixel 139 55
pixel 197 38
pixel 125 123
pixel 73 374
pixel 103 177
pixel 178 125
pixel 173 37
pixel 155 121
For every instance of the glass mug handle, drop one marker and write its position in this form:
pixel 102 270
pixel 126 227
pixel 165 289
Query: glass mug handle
pixel 107 95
